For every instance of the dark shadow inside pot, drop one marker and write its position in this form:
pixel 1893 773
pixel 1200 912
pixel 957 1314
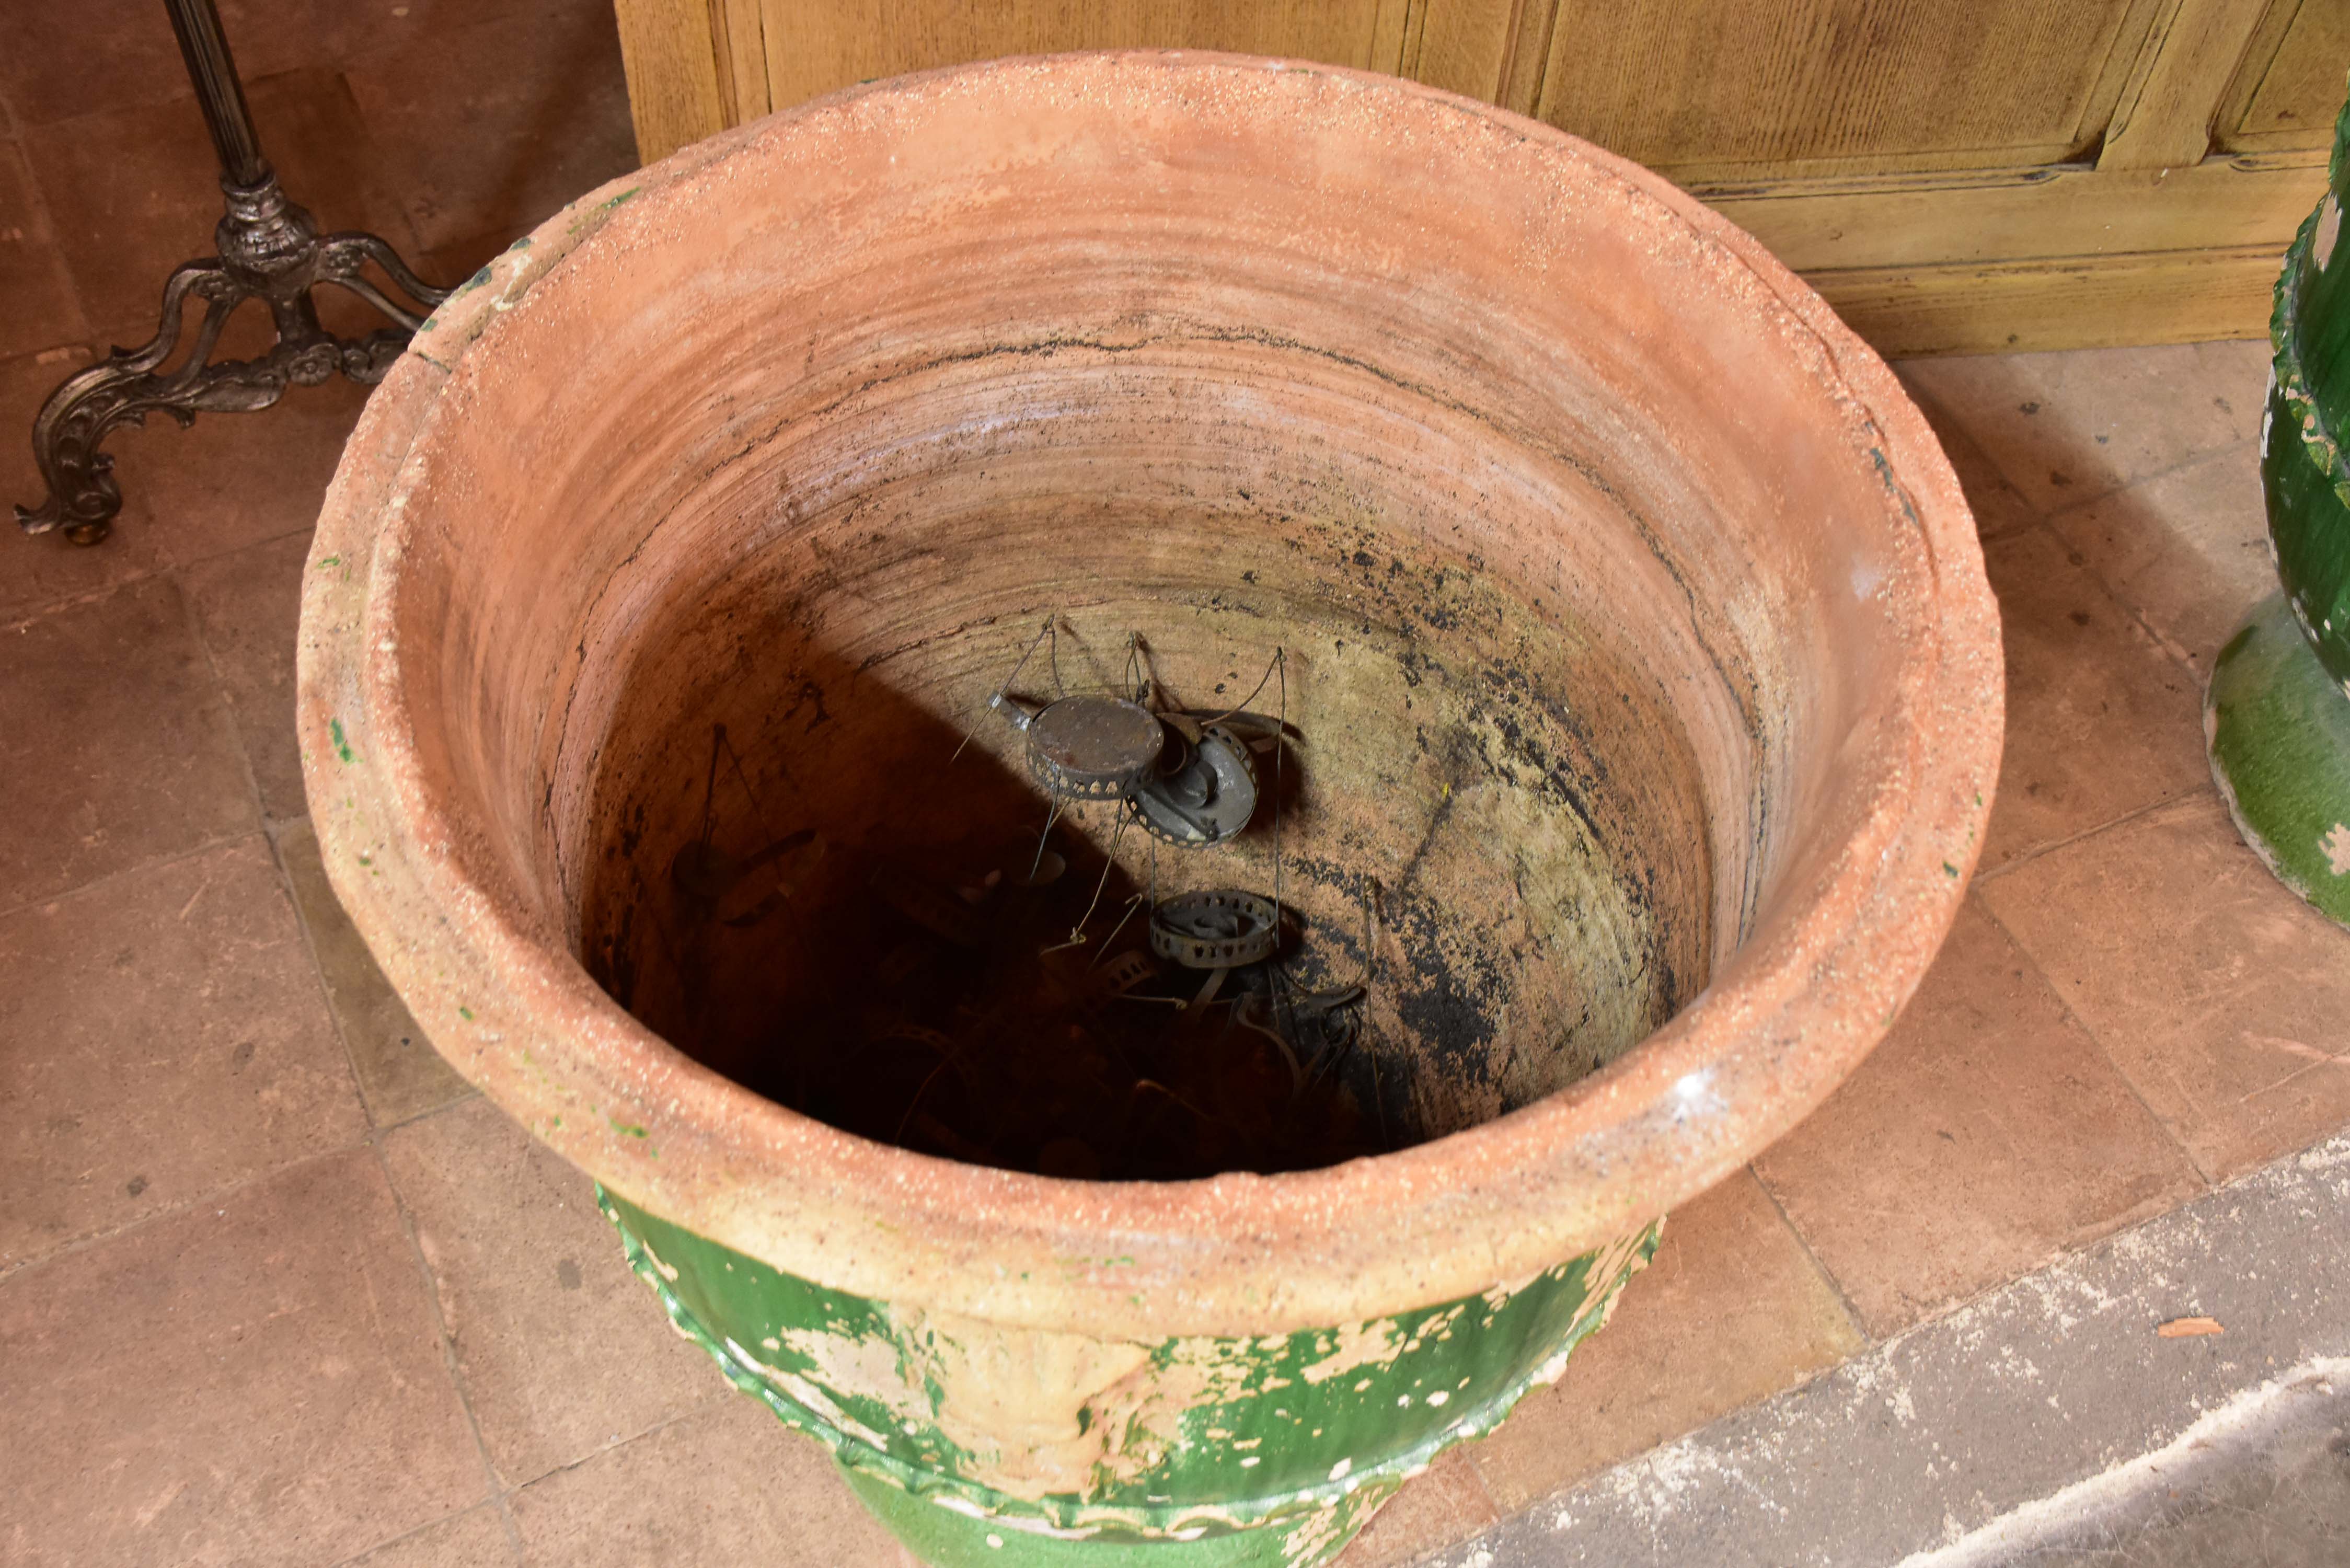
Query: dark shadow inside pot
pixel 1485 832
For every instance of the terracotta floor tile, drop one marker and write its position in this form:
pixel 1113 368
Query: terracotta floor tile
pixel 728 1484
pixel 118 744
pixel 134 191
pixel 2067 427
pixel 248 604
pixel 166 1039
pixel 2101 721
pixel 488 128
pixel 237 480
pixel 58 61
pixel 1987 1133
pixel 1999 507
pixel 563 1351
pixel 2188 550
pixel 42 312
pixel 256 1381
pixel 2219 995
pixel 1731 1310
pixel 400 1075
pixel 475 1539
pixel 1444 1505
pixel 35 573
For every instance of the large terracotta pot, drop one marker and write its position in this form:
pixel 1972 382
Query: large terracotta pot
pixel 1645 692
pixel 2277 712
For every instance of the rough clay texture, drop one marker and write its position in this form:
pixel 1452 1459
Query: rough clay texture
pixel 1667 567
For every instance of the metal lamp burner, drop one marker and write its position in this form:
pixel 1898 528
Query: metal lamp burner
pixel 1088 747
pixel 1215 928
pixel 1206 795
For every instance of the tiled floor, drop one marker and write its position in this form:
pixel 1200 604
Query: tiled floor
pixel 276 1288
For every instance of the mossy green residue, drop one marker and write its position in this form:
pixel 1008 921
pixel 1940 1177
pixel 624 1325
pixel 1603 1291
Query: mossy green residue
pixel 466 1013
pixel 342 746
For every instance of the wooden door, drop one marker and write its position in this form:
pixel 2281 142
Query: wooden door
pixel 1954 175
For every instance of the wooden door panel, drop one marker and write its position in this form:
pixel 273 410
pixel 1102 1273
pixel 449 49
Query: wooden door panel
pixel 814 49
pixel 1955 175
pixel 2293 83
pixel 1707 89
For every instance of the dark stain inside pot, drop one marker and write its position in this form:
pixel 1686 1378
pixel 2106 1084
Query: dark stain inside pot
pixel 836 875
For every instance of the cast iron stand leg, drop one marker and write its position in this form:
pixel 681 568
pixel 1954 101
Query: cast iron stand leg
pixel 269 251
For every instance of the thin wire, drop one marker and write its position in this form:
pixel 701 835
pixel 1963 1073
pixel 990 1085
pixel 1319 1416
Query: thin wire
pixel 1280 744
pixel 710 785
pixel 758 808
pixel 1042 839
pixel 1054 654
pixel 1279 657
pixel 914 1104
pixel 1134 667
pixel 1132 904
pixel 1078 931
pixel 972 728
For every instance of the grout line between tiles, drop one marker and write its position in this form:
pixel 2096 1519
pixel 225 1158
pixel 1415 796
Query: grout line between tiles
pixel 2170 650
pixel 178 563
pixel 708 1402
pixel 318 978
pixel 140 869
pixel 2038 851
pixel 2064 1003
pixel 1868 1338
pixel 498 1491
pixel 1468 1452
pixel 467 1099
pixel 192 1201
pixel 2207 455
pixel 26 614
pixel 364 1553
pixel 277 861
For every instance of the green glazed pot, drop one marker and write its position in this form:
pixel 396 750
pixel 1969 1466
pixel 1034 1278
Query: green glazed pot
pixel 1201 1451
pixel 2277 712
pixel 1646 689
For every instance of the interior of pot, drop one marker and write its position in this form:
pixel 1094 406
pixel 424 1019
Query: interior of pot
pixel 1572 584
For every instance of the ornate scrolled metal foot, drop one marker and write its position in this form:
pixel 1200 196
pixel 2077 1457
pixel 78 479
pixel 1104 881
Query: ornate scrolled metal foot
pixel 270 252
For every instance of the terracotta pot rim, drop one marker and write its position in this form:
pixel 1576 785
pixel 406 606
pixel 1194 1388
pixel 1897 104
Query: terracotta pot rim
pixel 1785 1020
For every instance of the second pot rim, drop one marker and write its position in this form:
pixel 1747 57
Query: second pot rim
pixel 506 1001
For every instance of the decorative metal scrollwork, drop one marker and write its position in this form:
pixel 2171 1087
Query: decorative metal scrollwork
pixel 270 251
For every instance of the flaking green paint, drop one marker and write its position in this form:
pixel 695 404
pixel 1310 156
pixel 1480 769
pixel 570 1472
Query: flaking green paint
pixel 2277 712
pixel 2280 732
pixel 1213 1452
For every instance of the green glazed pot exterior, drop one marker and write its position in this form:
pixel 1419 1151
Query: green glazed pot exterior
pixel 2301 469
pixel 2277 713
pixel 1194 1452
pixel 2279 728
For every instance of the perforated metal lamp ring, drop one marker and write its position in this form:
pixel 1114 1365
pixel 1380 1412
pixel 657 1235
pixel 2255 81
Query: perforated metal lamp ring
pixel 1093 748
pixel 1214 928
